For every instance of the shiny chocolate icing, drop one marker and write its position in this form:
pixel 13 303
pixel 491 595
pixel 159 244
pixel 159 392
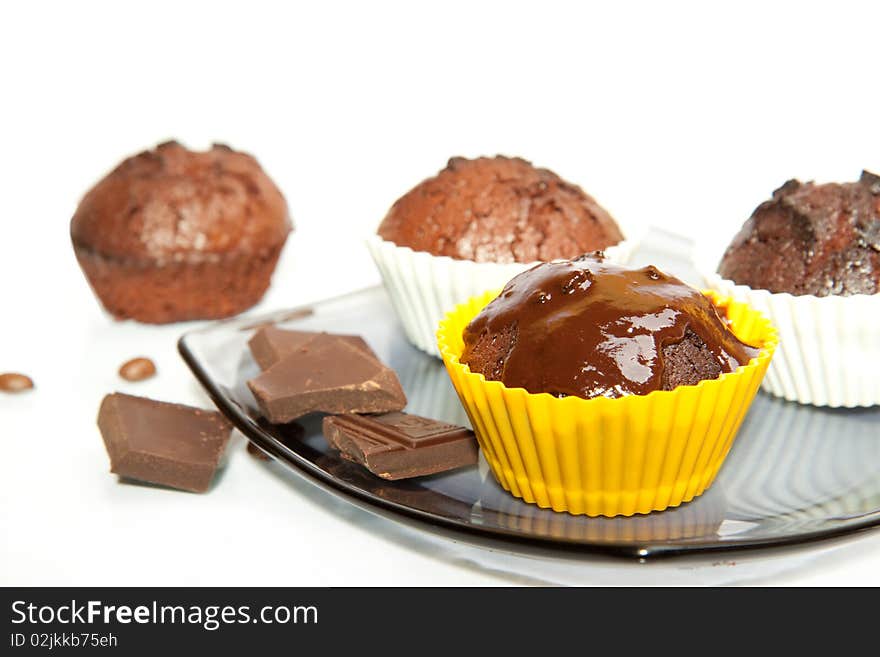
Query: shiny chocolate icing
pixel 589 328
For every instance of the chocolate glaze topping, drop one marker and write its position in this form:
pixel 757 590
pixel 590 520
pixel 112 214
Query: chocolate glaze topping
pixel 590 328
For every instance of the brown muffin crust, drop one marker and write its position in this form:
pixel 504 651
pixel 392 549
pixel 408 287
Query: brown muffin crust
pixel 499 209
pixel 811 239
pixel 171 203
pixel 688 362
pixel 172 234
pixel 179 291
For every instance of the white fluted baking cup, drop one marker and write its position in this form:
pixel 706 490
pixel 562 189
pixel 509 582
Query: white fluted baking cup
pixel 829 347
pixel 424 287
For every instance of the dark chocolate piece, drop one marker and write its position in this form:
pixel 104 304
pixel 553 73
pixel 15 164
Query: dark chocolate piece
pixel 270 344
pixel 137 369
pixel 15 382
pixel 413 492
pixel 587 327
pixel 160 443
pixel 399 445
pixel 332 377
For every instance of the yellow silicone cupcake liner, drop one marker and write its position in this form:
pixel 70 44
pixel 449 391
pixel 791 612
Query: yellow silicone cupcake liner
pixel 601 456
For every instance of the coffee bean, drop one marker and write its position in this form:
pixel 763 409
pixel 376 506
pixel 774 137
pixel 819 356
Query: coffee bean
pixel 15 382
pixel 137 369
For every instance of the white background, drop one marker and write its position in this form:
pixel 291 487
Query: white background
pixel 684 115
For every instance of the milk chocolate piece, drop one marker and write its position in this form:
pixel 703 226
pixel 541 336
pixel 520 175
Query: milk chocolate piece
pixel 270 344
pixel 161 443
pixel 399 445
pixel 332 377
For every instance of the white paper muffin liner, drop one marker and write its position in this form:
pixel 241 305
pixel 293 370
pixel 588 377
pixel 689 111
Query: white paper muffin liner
pixel 424 287
pixel 829 347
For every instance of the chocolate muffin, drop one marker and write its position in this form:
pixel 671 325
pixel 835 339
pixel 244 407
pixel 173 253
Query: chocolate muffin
pixel 172 235
pixel 590 328
pixel 499 210
pixel 811 239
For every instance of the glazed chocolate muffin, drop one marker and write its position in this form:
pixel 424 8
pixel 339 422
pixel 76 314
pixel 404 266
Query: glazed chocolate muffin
pixel 811 239
pixel 590 328
pixel 172 235
pixel 499 210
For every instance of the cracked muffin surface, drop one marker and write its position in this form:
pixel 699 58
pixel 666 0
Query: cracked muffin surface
pixel 173 202
pixel 499 209
pixel 172 234
pixel 811 239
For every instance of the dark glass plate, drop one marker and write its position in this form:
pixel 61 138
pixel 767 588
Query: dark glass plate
pixel 795 473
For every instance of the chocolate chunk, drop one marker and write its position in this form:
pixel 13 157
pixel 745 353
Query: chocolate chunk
pixel 399 445
pixel 161 443
pixel 270 344
pixel 15 382
pixel 332 377
pixel 137 369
